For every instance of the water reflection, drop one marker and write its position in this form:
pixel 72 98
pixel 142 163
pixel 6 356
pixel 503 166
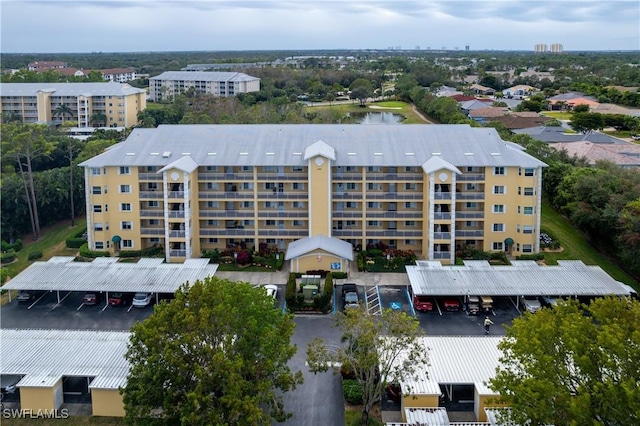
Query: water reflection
pixel 375 117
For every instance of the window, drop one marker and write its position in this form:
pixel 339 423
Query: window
pixel 213 204
pixel 528 191
pixel 127 243
pixel 471 187
pixel 297 185
pixel 297 168
pixel 124 170
pixel 212 185
pixel 410 186
pixel 99 245
pixel 96 190
pixel 154 240
pixel 154 222
pixel 410 205
pixel 105 189
pixel 125 189
pixel 471 223
pixel 125 207
pixel 247 185
pixel 351 223
pixel 213 240
pixel 410 242
pixel 472 205
pixel 97 227
pixel 269 186
pixel 529 172
pixel 270 222
pixel 527 248
pixel 126 225
pixel 373 223
pixel 527 229
pixel 212 222
pixel 298 223
pixel 351 205
pixel 352 186
pixel 97 208
pixel 374 204
pixel 152 204
pixel 95 171
pixel 410 223
pixel 498 227
pixel 498 208
pixel 298 205
pixel 247 204
pixel 270 169
pixel 497 246
pixel 270 205
pixel 498 171
pixel 211 168
pixel 374 186
pixel 528 210
pixel 247 222
pixel 375 169
pixel 498 189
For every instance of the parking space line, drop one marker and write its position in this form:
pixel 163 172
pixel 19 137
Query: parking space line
pixel 61 300
pixel 105 307
pixel 37 300
pixel 80 307
pixel 130 307
pixel 437 306
pixel 413 311
pixel 335 300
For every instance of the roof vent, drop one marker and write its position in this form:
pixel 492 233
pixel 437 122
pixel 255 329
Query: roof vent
pixel 244 153
pixel 495 153
pixel 436 153
pixel 155 153
pixel 166 154
pixel 270 153
pixel 131 153
pixel 409 153
pixel 468 153
pixel 297 153
pixel 211 153
pixel 377 153
pixel 351 153
pixel 186 153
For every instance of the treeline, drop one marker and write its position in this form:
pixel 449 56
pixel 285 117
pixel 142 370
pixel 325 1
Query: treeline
pixel 41 182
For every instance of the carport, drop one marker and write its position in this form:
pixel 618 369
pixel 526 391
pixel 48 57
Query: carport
pixel 108 275
pixel 60 366
pixel 570 278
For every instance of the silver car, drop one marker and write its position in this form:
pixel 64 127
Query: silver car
pixel 531 303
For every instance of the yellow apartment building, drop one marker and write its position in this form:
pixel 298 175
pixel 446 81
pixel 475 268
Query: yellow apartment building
pixel 427 188
pixel 38 102
pixel 217 83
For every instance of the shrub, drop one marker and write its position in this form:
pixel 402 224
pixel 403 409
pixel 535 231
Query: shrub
pixel 3 275
pixel 77 239
pixel 320 272
pixel 214 255
pixel 291 292
pixel 536 256
pixel 352 392
pixel 8 256
pixel 154 251
pixel 15 246
pixel 35 255
pixel 85 252
pixel 244 258
pixel 339 275
pixel 322 302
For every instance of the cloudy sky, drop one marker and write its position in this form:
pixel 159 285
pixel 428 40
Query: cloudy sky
pixel 151 25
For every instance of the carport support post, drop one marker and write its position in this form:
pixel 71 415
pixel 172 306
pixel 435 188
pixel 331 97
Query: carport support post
pixel 58 295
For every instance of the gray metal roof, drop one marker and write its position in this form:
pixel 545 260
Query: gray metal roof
pixel 69 89
pixel 455 360
pixel 107 274
pixel 204 76
pixel 332 245
pixel 285 145
pixel 523 278
pixel 557 134
pixel 44 356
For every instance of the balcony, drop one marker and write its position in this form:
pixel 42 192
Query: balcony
pixel 470 177
pixel 395 196
pixel 177 234
pixel 284 195
pixel 283 233
pixel 469 215
pixel 347 233
pixel 176 214
pixel 441 195
pixel 442 216
pixel 393 233
pixel 151 213
pixel 213 194
pixel 177 253
pixel 272 177
pixel 388 214
pixel 442 235
pixel 283 213
pixel 225 232
pixel 336 177
pixel 394 177
pixel 150 176
pixel 442 255
pixel 154 195
pixel 176 194
pixel 469 233
pixel 226 213
pixel 470 195
pixel 152 231
pixel 347 195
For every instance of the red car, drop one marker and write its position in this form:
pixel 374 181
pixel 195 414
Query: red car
pixel 422 303
pixel 119 299
pixel 451 304
pixel 91 298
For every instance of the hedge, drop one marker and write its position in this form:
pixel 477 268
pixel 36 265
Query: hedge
pixel 536 256
pixel 339 275
pixel 156 251
pixel 292 297
pixel 8 256
pixel 3 275
pixel 85 252
pixel 76 240
pixel 16 246
pixel 352 392
pixel 35 255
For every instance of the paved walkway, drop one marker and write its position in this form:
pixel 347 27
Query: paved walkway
pixel 280 277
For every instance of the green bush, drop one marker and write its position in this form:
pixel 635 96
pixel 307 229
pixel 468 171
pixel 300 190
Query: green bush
pixel 291 293
pixel 8 256
pixel 322 302
pixel 374 252
pixel 352 392
pixel 339 275
pixel 76 240
pixel 328 284
pixel 16 246
pixel 35 255
pixel 3 275
pixel 85 252
pixel 213 255
pixel 280 261
pixel 155 251
pixel 536 256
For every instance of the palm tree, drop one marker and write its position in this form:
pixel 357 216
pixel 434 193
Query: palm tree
pixel 62 111
pixel 99 118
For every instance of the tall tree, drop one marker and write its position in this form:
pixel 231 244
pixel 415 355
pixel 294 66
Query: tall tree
pixel 361 89
pixel 573 364
pixel 216 354
pixel 24 144
pixel 98 119
pixel 62 111
pixel 378 350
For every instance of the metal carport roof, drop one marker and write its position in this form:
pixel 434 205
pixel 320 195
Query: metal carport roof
pixel 478 277
pixel 149 275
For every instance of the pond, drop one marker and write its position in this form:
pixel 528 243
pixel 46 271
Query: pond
pixel 375 117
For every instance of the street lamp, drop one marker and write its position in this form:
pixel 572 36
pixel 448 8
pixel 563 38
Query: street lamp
pixel 235 258
pixel 388 260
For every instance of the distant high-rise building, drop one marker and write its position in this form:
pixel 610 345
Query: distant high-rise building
pixel 466 48
pixel 540 48
pixel 556 48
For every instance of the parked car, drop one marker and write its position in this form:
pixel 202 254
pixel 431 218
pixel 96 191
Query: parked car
pixel 272 291
pixel 423 303
pixel 473 305
pixel 120 299
pixel 28 295
pixel 451 304
pixel 350 296
pixel 141 300
pixel 530 303
pixel 486 303
pixel 92 297
pixel 549 301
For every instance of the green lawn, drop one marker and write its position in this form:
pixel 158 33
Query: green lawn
pixel 353 417
pixel 575 246
pixel 559 115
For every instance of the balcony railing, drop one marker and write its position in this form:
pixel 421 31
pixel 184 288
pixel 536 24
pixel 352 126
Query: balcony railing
pixel 269 177
pixel 152 231
pixel 224 194
pixel 283 213
pixel 177 253
pixel 226 213
pixel 207 232
pixel 442 235
pixel 292 195
pixel 442 255
pixel 348 195
pixel 470 195
pixel 388 214
pixel 157 195
pixel 176 214
pixel 394 176
pixel 469 215
pixel 442 195
pixel 468 233
pixel 347 232
pixel 395 196
pixel 442 216
pixel 176 194
pixel 176 234
pixel 149 176
pixel 151 213
pixel 470 177
pixel 225 176
pixel 393 233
